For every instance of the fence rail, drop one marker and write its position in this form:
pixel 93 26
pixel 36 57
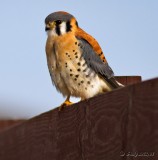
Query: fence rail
pixel 112 126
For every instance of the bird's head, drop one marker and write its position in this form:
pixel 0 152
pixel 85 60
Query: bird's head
pixel 60 23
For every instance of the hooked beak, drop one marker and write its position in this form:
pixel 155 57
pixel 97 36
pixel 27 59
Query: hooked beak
pixel 47 28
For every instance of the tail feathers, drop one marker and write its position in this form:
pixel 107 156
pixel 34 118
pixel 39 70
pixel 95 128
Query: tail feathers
pixel 113 83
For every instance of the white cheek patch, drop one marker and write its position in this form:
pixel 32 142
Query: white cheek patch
pixel 63 28
pixel 51 33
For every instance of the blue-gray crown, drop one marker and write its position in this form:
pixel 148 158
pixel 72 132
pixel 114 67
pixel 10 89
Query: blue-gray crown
pixel 63 16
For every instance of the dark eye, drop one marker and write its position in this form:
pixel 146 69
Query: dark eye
pixel 58 22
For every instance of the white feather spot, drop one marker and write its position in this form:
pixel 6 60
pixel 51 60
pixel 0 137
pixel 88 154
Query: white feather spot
pixel 63 28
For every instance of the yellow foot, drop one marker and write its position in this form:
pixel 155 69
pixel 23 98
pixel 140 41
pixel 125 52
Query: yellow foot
pixel 65 104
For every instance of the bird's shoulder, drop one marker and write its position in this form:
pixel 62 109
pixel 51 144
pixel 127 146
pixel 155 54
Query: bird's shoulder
pixel 94 57
pixel 81 34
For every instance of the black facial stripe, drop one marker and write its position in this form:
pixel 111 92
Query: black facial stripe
pixel 76 23
pixel 68 26
pixel 58 22
pixel 58 29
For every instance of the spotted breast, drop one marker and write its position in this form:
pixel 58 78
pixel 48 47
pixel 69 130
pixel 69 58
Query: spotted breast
pixel 75 59
pixel 69 71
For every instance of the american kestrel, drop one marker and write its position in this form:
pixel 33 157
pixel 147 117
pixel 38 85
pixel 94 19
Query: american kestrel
pixel 75 60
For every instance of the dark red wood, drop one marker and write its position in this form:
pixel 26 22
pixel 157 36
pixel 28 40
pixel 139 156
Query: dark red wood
pixel 127 80
pixel 4 124
pixel 117 125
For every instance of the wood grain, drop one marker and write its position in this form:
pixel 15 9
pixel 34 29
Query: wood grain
pixel 101 128
pixel 4 124
pixel 128 80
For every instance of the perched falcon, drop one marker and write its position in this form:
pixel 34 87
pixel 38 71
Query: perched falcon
pixel 75 60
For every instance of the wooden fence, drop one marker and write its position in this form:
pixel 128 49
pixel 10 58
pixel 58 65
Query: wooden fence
pixel 4 124
pixel 118 125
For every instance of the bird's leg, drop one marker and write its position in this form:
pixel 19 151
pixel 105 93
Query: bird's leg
pixel 66 103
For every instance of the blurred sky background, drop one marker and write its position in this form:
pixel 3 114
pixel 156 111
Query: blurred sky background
pixel 127 31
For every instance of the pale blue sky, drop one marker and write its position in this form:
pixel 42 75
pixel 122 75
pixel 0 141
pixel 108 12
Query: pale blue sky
pixel 126 30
